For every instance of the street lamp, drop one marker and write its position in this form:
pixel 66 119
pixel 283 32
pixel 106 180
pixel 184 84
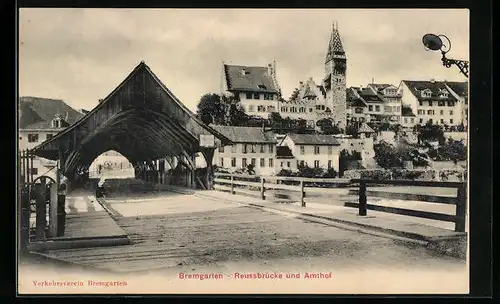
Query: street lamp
pixel 435 43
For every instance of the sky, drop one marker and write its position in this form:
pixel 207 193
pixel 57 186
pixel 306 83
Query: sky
pixel 81 55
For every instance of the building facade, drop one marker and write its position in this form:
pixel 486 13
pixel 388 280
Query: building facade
pixel 316 151
pixel 432 102
pixel 252 145
pixel 255 87
pixel 39 120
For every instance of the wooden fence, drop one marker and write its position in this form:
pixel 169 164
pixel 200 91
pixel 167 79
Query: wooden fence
pixel 279 188
pixel 460 201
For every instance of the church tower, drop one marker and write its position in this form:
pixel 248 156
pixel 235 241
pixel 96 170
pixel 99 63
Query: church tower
pixel 335 78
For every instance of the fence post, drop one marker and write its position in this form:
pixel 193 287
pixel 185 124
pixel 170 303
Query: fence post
pixel 461 205
pixel 41 211
pixel 53 210
pixel 232 185
pixel 362 197
pixel 302 202
pixel 25 217
pixel 262 189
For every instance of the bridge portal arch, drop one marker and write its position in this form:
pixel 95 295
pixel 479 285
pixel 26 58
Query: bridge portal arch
pixel 142 120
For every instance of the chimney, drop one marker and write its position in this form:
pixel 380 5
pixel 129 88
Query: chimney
pixel 270 69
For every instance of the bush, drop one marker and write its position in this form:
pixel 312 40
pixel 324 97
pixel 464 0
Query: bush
pixel 330 173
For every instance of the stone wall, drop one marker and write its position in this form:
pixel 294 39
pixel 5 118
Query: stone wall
pixel 452 175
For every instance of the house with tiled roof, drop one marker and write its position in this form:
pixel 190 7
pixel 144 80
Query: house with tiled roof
pixel 392 101
pixel 38 120
pixel 313 150
pixel 432 101
pixel 313 102
pixel 256 87
pixel 356 107
pixel 461 91
pixel 307 102
pixel 252 145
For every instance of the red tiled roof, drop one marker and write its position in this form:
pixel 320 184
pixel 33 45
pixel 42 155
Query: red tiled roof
pixel 255 79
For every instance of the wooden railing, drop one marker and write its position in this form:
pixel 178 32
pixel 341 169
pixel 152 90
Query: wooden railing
pixel 278 187
pixel 460 201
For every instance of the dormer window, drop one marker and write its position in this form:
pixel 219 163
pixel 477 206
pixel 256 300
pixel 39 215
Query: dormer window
pixel 426 93
pixel 56 122
pixel 263 87
pixel 443 94
pixel 243 72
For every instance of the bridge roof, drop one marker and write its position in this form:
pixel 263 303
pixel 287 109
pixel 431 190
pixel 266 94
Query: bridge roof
pixel 141 119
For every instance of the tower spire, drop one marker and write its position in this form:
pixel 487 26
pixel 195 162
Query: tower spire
pixel 335 48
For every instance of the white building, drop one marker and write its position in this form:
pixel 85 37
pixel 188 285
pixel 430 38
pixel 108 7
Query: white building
pixel 252 145
pixel 39 120
pixel 255 87
pixel 313 150
pixel 432 101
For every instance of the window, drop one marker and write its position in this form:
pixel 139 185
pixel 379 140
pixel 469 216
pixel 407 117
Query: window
pixel 358 110
pixel 32 137
pixel 245 148
pixel 252 148
pixel 256 96
pixel 370 108
pixel 330 150
pixel 302 109
pixel 261 148
pixel 430 103
pixel 302 163
pixel 426 93
pixel 310 110
pixel 221 149
pixel 398 108
pixel 441 103
pixel 270 109
pixel 421 112
pixel 442 121
pixel 441 112
pixel 421 120
pixel 293 109
pixel 430 112
pixel 430 121
pixel 261 109
pixel 221 162
pixel 253 161
pixel 244 162
pixel 450 104
pixel 316 149
pixel 420 103
pixel 271 163
pixel 268 96
pixel 377 108
pixel 302 150
pixel 249 95
pixel 288 164
pixel 34 171
pixel 316 164
pixel 271 148
pixel 233 148
pixel 49 136
pixel 451 112
pixel 282 163
pixel 233 162
pixel 444 95
pixel 387 109
pixel 262 162
pixel 451 121
pixel 412 120
pixel 329 164
pixel 251 108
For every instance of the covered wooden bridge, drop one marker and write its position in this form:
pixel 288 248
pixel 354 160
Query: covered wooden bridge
pixel 146 123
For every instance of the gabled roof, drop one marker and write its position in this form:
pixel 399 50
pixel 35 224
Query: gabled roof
pixel 245 134
pixel 369 96
pixel 308 92
pixel 37 112
pixel 365 129
pixel 313 139
pixel 354 100
pixel 460 88
pixel 417 86
pixel 380 86
pixel 249 78
pixel 406 111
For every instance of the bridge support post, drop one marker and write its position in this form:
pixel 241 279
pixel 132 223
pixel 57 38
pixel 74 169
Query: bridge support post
pixel 208 154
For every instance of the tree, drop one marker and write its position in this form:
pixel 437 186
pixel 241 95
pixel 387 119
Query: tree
pixel 453 150
pixel 327 127
pixel 352 129
pixel 386 155
pixel 430 132
pixel 236 115
pixel 211 109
